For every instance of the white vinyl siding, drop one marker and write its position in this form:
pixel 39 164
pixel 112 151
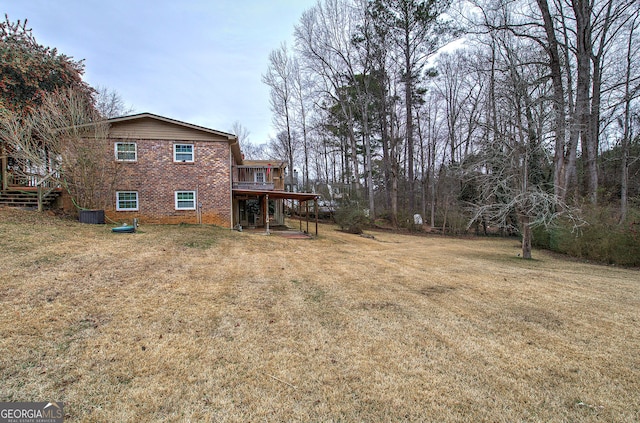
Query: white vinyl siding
pixel 126 151
pixel 183 152
pixel 185 200
pixel 127 201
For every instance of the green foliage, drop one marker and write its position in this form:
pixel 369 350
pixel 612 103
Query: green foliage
pixel 28 69
pixel 351 217
pixel 611 169
pixel 602 239
pixel 253 207
pixel 405 220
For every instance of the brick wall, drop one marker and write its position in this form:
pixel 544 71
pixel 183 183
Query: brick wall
pixel 156 177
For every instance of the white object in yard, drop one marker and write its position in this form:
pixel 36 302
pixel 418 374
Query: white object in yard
pixel 417 219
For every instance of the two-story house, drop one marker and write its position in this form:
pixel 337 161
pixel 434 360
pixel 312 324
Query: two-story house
pixel 176 172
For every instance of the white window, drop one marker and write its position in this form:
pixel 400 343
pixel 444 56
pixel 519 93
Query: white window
pixel 126 151
pixel 127 200
pixel 185 200
pixel 183 152
pixel 259 177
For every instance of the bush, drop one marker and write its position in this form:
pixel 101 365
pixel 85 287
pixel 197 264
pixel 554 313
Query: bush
pixel 351 218
pixel 602 239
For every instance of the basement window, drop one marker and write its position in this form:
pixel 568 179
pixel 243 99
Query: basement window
pixel 126 200
pixel 183 153
pixel 185 200
pixel 126 151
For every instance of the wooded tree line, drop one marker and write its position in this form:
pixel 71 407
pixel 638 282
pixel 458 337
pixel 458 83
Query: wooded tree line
pixel 529 111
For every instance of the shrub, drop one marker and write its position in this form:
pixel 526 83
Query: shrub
pixel 351 217
pixel 602 239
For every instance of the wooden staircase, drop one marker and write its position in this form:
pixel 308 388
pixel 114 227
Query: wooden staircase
pixel 16 197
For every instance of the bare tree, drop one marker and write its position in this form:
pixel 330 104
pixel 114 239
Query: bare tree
pixel 280 79
pixel 413 26
pixel 241 132
pixel 302 92
pixel 250 151
pixel 109 103
pixel 64 142
pixel 509 170
pixel 324 40
pixel 630 92
pixel 256 151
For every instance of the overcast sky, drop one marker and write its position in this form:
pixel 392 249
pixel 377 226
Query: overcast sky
pixel 199 61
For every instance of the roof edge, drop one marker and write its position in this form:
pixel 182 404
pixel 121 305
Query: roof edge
pixel 148 115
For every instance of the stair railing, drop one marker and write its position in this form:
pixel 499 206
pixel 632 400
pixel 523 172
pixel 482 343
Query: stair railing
pixel 41 185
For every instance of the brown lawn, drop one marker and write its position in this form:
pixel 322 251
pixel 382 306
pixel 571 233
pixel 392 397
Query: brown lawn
pixel 190 323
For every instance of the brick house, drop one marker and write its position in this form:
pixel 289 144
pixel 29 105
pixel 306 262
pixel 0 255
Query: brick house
pixel 175 172
pixel 171 171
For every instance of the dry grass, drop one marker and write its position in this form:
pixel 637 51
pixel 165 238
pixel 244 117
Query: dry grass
pixel 188 323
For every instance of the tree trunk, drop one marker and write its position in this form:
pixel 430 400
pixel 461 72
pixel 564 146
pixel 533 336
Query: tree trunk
pixel 582 11
pixel 594 133
pixel 305 141
pixel 369 168
pixel 626 136
pixel 289 146
pixel 408 99
pixel 432 180
pixel 560 189
pixel 393 171
pixel 526 237
pixel 394 194
pixel 569 173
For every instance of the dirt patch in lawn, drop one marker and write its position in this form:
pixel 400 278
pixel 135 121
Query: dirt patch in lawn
pixel 198 323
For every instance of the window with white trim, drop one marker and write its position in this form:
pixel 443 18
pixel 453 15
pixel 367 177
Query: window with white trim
pixel 126 200
pixel 183 152
pixel 185 200
pixel 126 151
pixel 259 177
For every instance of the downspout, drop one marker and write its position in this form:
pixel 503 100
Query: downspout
pixel 198 205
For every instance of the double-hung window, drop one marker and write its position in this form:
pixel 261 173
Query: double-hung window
pixel 259 177
pixel 126 200
pixel 185 200
pixel 126 151
pixel 183 152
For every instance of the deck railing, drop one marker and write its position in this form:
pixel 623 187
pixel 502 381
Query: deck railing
pixel 263 186
pixel 33 180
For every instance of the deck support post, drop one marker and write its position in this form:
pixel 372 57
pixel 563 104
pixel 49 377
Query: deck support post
pixel 306 215
pixel 266 214
pixel 40 199
pixel 4 164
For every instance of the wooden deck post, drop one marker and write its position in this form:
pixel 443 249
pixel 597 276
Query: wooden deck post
pixel 306 215
pixel 315 203
pixel 4 164
pixel 40 205
pixel 266 215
